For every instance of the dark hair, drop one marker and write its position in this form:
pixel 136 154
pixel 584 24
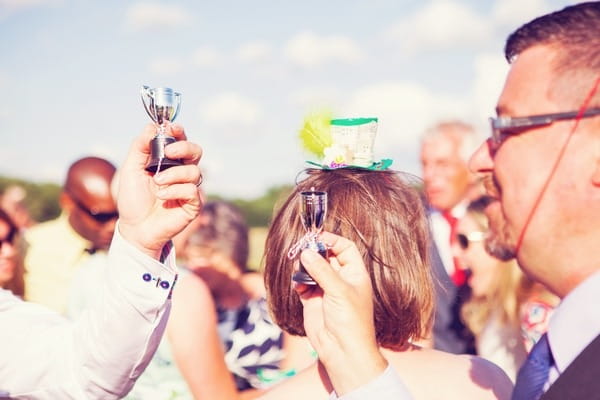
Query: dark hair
pixel 574 30
pixel 17 283
pixel 385 217
pixel 225 230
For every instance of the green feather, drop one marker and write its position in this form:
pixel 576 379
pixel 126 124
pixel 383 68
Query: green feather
pixel 315 134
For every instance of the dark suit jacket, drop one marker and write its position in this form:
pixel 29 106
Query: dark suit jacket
pixel 449 333
pixel 581 379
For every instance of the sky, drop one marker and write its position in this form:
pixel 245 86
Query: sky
pixel 248 73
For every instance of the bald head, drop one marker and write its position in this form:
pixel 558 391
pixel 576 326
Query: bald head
pixel 89 175
pixel 88 200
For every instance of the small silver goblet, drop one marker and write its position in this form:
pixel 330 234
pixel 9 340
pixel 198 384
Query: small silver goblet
pixel 162 105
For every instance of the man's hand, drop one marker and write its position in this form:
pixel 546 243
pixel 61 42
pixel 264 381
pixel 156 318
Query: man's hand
pixel 338 314
pixel 152 209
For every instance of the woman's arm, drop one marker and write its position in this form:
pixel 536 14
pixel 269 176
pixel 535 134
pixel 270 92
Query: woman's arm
pixel 194 339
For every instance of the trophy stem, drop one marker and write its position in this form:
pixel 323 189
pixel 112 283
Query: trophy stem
pixel 158 161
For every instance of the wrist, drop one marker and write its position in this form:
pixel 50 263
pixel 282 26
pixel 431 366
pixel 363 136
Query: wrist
pixel 134 236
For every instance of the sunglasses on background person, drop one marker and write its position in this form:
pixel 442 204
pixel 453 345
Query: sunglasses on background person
pixel 463 239
pixel 100 217
pixel 9 238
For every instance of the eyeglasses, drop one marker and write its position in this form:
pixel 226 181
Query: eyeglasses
pixel 503 127
pixel 464 239
pixel 9 238
pixel 100 217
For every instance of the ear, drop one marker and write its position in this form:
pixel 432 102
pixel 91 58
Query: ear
pixel 66 203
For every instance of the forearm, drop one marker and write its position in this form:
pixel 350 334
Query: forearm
pixel 123 328
pixel 99 355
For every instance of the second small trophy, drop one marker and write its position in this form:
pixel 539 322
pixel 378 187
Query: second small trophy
pixel 313 209
pixel 162 105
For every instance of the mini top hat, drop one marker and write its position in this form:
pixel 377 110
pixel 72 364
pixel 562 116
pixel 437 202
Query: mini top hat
pixel 341 143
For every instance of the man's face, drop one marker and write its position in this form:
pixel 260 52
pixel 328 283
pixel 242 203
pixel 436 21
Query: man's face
pixel 445 174
pixel 93 213
pixel 515 174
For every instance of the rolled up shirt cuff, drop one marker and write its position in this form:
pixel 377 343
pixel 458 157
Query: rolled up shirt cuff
pixel 145 277
pixel 387 386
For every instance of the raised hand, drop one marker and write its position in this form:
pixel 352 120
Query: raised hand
pixel 152 209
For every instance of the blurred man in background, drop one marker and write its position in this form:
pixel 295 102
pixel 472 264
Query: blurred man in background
pixel 445 150
pixel 86 225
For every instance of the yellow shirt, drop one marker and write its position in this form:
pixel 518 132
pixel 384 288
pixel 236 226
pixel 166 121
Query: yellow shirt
pixel 54 254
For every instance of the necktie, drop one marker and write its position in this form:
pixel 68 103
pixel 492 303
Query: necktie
pixel 534 372
pixel 458 275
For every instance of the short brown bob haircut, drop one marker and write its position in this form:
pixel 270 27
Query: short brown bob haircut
pixel 384 215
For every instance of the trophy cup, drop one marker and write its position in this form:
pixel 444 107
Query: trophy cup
pixel 312 213
pixel 162 105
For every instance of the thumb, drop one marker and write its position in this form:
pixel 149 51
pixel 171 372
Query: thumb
pixel 321 271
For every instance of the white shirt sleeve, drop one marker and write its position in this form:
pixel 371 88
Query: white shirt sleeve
pixel 99 355
pixel 387 386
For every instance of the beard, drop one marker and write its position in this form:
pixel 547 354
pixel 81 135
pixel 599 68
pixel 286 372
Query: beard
pixel 498 242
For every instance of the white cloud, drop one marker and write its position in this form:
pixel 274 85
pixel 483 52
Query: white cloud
pixel 490 73
pixel 9 7
pixel 256 51
pixel 405 110
pixel 441 24
pixel 231 109
pixel 206 57
pixel 142 16
pixel 310 50
pixel 517 12
pixel 315 97
pixel 169 66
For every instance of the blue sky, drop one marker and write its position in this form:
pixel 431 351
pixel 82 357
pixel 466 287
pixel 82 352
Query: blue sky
pixel 248 71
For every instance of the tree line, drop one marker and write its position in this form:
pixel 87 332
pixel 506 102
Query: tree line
pixel 42 201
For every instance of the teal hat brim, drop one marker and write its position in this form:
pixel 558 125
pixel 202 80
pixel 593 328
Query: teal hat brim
pixel 376 166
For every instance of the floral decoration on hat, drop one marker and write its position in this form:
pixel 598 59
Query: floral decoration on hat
pixel 341 143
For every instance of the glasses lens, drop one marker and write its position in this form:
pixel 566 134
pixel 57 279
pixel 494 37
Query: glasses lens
pixel 9 238
pixel 104 217
pixel 463 241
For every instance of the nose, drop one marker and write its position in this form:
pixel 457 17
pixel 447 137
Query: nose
pixel 7 249
pixel 482 160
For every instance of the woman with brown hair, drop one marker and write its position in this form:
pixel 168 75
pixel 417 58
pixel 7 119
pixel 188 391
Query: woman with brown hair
pixel 11 258
pixel 384 216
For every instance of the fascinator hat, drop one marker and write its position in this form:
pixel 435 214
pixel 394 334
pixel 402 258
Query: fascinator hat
pixel 341 143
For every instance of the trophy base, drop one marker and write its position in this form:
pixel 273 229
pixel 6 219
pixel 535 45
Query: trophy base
pixel 303 277
pixel 158 162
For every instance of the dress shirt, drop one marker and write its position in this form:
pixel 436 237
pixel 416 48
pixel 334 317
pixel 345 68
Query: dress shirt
pixel 98 356
pixel 54 253
pixel 440 231
pixel 574 324
pixel 387 386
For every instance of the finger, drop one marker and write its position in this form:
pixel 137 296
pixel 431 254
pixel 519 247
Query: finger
pixel 320 270
pixel 140 148
pixel 177 131
pixel 343 249
pixel 178 174
pixel 185 192
pixel 188 152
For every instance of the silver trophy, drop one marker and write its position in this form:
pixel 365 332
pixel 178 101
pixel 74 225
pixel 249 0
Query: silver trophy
pixel 162 105
pixel 313 209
